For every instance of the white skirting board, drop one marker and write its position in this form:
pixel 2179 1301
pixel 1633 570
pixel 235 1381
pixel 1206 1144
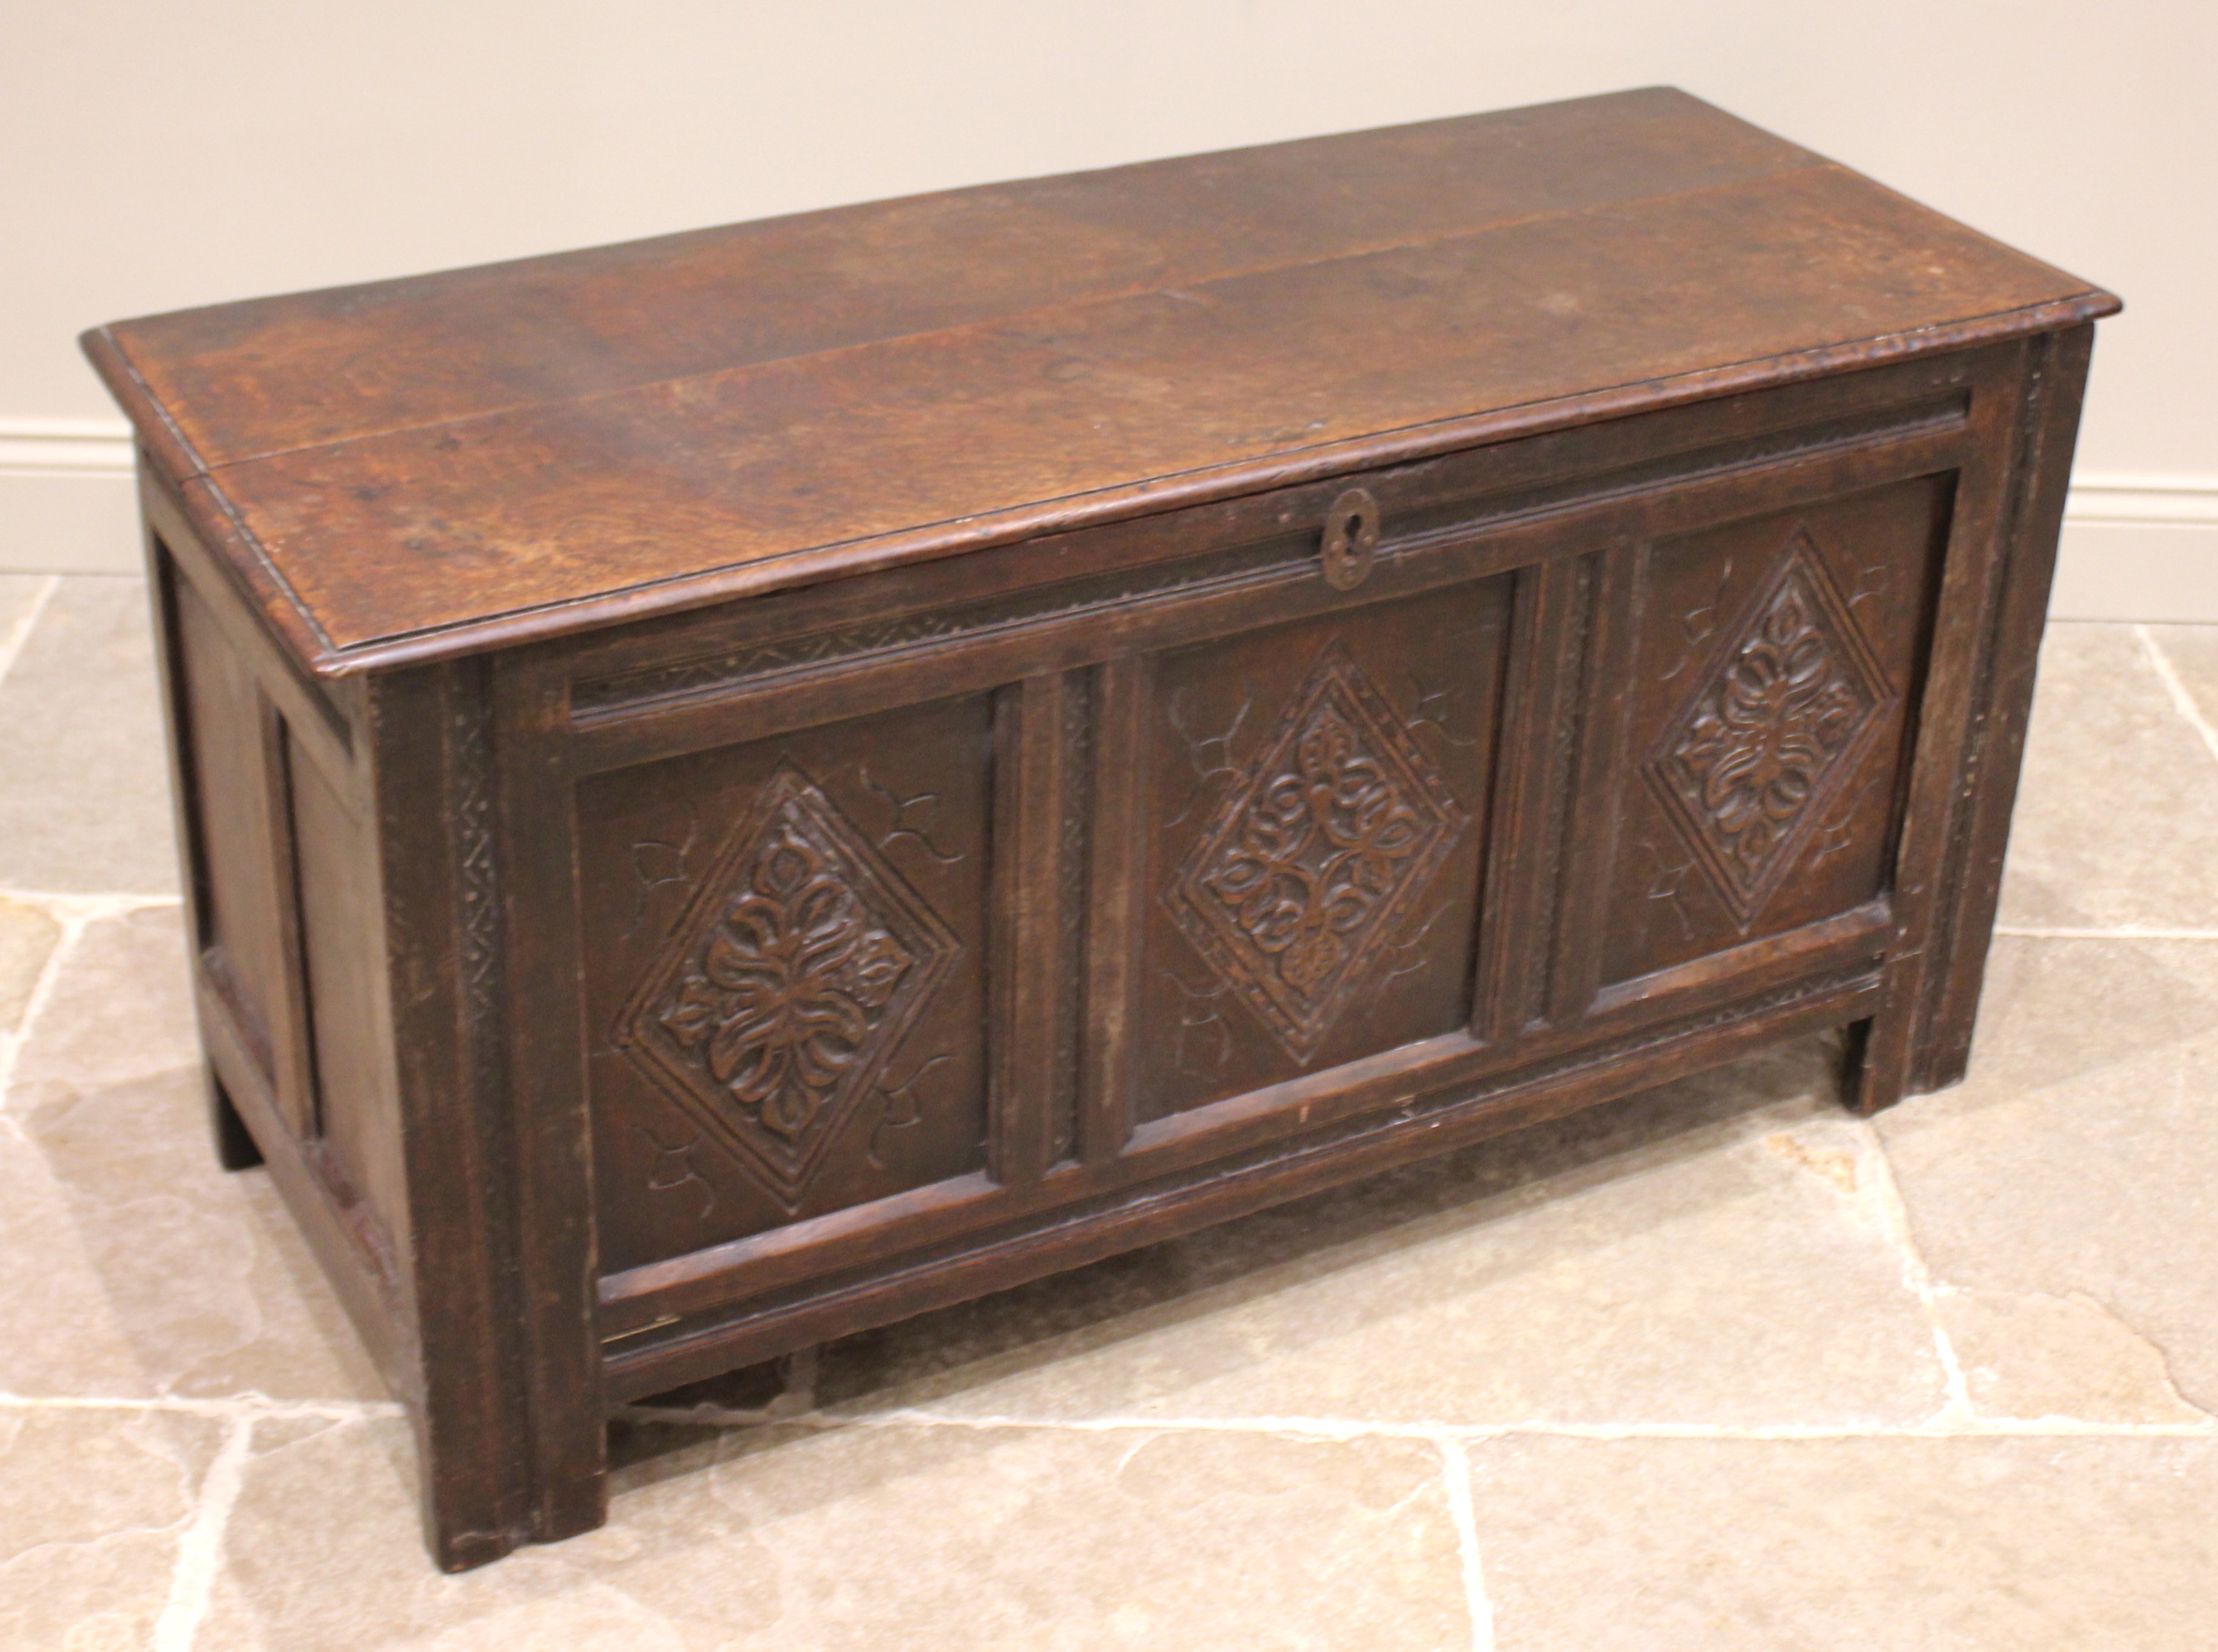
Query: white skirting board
pixel 66 503
pixel 2135 547
pixel 2139 547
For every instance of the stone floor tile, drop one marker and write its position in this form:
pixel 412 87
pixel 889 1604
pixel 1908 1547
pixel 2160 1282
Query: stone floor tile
pixel 96 1504
pixel 58 1328
pixel 27 941
pixel 1960 1544
pixel 2192 653
pixel 2078 1162
pixel 19 594
pixel 131 1264
pixel 84 787
pixel 2117 814
pixel 120 1007
pixel 2032 1358
pixel 869 1537
pixel 1718 1251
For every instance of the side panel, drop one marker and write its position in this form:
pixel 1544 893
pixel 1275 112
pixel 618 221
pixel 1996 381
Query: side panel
pixel 248 928
pixel 342 928
pixel 282 876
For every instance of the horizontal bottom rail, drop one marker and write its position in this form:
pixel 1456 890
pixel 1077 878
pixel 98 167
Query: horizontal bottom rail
pixel 1452 1116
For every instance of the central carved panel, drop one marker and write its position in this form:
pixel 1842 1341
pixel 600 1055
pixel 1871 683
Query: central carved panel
pixel 1323 846
pixel 1747 768
pixel 788 983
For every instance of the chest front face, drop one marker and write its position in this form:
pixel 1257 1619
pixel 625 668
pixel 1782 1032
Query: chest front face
pixel 862 919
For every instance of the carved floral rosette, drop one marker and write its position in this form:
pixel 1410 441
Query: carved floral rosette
pixel 1322 849
pixel 790 979
pixel 1776 726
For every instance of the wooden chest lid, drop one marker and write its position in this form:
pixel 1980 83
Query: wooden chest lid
pixel 421 467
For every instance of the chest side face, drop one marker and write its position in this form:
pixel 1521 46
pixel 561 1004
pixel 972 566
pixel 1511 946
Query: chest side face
pixel 924 905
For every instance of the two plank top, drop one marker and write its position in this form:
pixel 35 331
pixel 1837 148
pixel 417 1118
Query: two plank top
pixel 427 466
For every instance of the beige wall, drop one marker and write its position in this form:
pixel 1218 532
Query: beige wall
pixel 158 155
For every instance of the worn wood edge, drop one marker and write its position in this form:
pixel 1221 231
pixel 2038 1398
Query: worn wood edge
pixel 319 653
pixel 1698 439
pixel 1947 1014
pixel 234 554
pixel 983 1264
pixel 1861 932
pixel 170 460
pixel 158 433
pixel 307 703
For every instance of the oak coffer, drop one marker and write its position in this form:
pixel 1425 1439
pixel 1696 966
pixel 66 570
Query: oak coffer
pixel 738 787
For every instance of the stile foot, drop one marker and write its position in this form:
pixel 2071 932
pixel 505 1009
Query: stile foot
pixel 234 1147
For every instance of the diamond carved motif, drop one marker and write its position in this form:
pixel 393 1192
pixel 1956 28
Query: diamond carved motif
pixel 802 961
pixel 1749 766
pixel 1311 864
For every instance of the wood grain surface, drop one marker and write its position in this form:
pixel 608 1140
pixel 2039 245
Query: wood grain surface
pixel 416 468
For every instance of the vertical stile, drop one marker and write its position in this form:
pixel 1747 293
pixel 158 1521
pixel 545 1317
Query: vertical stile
pixel 294 1078
pixel 1117 877
pixel 1026 983
pixel 1510 971
pixel 1946 768
pixel 512 797
pixel 1591 810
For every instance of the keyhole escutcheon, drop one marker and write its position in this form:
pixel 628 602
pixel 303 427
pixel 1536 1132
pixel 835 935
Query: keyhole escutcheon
pixel 1351 539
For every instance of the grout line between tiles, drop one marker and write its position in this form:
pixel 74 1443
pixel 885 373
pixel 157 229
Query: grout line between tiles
pixel 2126 933
pixel 75 913
pixel 12 1044
pixel 200 1551
pixel 1946 1424
pixel 233 1408
pixel 2183 701
pixel 108 904
pixel 1455 1473
pixel 1957 1406
pixel 17 635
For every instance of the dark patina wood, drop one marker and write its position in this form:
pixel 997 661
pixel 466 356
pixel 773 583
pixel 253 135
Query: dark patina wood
pixel 740 787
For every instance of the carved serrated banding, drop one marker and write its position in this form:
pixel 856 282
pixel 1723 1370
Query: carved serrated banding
pixel 1295 891
pixel 1077 735
pixel 479 891
pixel 1563 765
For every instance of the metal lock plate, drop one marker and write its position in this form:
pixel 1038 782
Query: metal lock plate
pixel 1351 539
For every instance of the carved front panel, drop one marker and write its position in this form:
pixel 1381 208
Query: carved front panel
pixel 1314 858
pixel 786 975
pixel 1318 796
pixel 1776 670
pixel 1773 731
